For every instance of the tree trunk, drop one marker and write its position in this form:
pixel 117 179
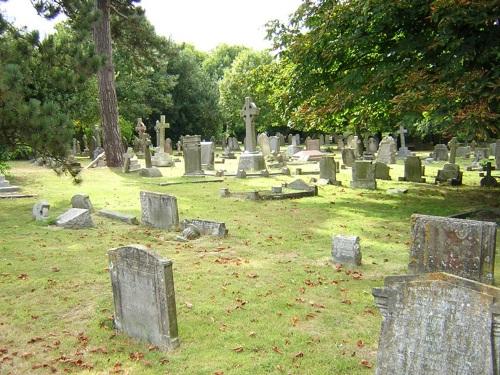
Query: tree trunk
pixel 107 92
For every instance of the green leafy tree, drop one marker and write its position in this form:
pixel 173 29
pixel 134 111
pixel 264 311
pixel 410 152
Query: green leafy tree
pixel 220 59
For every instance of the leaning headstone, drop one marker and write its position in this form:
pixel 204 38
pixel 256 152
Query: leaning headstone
pixel 387 151
pixel 159 210
pixel 440 152
pixel 81 201
pixel 363 175
pixel 465 248
pixel 346 249
pixel 41 210
pixel 144 296
pixel 75 218
pixel 413 170
pixel 328 170
pixel 382 171
pixel 207 155
pixel 450 174
pixel 191 147
pixel 348 157
pixel 437 324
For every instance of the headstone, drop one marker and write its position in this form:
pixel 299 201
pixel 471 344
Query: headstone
pixel 450 174
pixel 463 152
pixel 207 155
pixel 440 152
pixel 357 146
pixel 497 154
pixel 129 219
pixel 241 173
pixel 465 248
pixel 453 145
pixel 41 211
pixel 233 144
pixel 207 227
pixel 75 218
pixel 403 151
pixel 340 142
pixel 482 152
pixel 363 175
pixel 436 324
pixel 274 143
pixel 264 143
pixel 290 139
pixel 321 139
pixel 387 151
pixel 81 201
pixel 292 150
pixel 250 159
pixel 299 184
pixel 159 210
pixel 281 138
pixel 144 296
pixel 413 170
pixel 191 147
pixel 150 172
pixel 348 157
pixel 162 157
pixel 372 146
pixel 296 140
pixel 168 146
pixel 346 249
pixel 493 148
pixel 328 170
pixel 488 180
pixel 382 171
pixel 313 145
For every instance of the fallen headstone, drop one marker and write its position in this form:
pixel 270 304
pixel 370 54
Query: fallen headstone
pixel 129 219
pixel 75 218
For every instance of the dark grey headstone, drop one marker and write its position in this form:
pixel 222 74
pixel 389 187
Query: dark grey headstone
pixel 461 247
pixel 81 201
pixel 363 175
pixel 159 210
pixel 348 157
pixel 328 169
pixel 144 296
pixel 346 249
pixel 413 169
pixel 437 324
pixel 382 171
pixel 191 147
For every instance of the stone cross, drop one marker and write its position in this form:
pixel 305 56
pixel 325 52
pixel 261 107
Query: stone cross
pixel 160 127
pixel 140 128
pixel 143 136
pixel 453 144
pixel 248 112
pixel 402 132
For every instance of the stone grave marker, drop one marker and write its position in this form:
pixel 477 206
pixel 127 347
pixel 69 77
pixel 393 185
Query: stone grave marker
pixel 463 151
pixel 81 201
pixel 346 249
pixel 497 154
pixel 387 151
pixel 313 145
pixel 328 170
pixel 206 227
pixel 274 143
pixel 191 147
pixel 403 151
pixel 453 145
pixel 41 211
pixel 488 180
pixel 159 210
pixel 462 247
pixel 75 218
pixel 207 155
pixel 382 171
pixel 413 170
pixel 251 159
pixel 348 156
pixel 436 324
pixel 363 175
pixel 6 187
pixel 264 143
pixel 162 157
pixel 144 296
pixel 440 152
pixel 372 145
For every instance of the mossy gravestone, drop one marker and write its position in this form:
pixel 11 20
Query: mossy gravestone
pixel 144 297
pixel 437 324
pixel 461 247
pixel 159 210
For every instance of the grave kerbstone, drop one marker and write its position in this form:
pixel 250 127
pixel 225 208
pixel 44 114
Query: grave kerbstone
pixel 346 249
pixel 437 324
pixel 41 210
pixel 363 175
pixel 159 210
pixel 75 218
pixel 81 201
pixel 144 296
pixel 462 247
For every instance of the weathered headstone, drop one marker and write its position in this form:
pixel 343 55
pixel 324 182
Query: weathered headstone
pixel 382 171
pixel 453 145
pixel 462 247
pixel 387 151
pixel 313 145
pixel 207 155
pixel 274 143
pixel 413 170
pixel 440 152
pixel 497 154
pixel 159 210
pixel 264 144
pixel 129 219
pixel 144 296
pixel 372 145
pixel 41 210
pixel 346 249
pixel 436 324
pixel 328 170
pixel 81 201
pixel 250 159
pixel 207 227
pixel 191 147
pixel 357 146
pixel 363 175
pixel 450 174
pixel 348 157
pixel 75 218
pixel 463 152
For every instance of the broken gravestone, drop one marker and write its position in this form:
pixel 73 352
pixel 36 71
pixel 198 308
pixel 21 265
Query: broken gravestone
pixel 346 249
pixel 75 218
pixel 461 247
pixel 144 296
pixel 159 210
pixel 41 210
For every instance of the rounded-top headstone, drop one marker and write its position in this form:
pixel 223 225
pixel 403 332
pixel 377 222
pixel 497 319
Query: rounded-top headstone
pixel 81 201
pixel 41 210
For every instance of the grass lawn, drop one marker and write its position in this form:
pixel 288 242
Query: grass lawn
pixel 266 299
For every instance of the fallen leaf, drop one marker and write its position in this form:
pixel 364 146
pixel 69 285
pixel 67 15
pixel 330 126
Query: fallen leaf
pixel 277 350
pixel 347 301
pixel 360 343
pixel 299 355
pixel 22 276
pixel 252 334
pixel 365 363
pixel 252 275
pixel 238 349
pixel 136 356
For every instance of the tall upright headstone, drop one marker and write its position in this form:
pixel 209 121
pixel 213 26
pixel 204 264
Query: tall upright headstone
pixel 413 170
pixel 250 159
pixel 274 143
pixel 348 157
pixel 453 145
pixel 462 247
pixel 363 175
pixel 451 172
pixel 387 151
pixel 264 144
pixel 191 148
pixel 328 170
pixel 144 295
pixel 207 155
pixel 436 324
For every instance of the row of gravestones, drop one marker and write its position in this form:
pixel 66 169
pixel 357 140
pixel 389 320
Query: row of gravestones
pixel 443 318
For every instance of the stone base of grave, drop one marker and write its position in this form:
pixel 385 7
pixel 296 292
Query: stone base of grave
pixel 150 172
pixel 195 174
pixel 404 179
pixel 162 159
pixel 362 184
pixel 329 181
pixel 450 173
pixel 9 189
pixel 403 152
pixel 251 162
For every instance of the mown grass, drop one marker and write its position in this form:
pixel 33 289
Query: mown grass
pixel 266 299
